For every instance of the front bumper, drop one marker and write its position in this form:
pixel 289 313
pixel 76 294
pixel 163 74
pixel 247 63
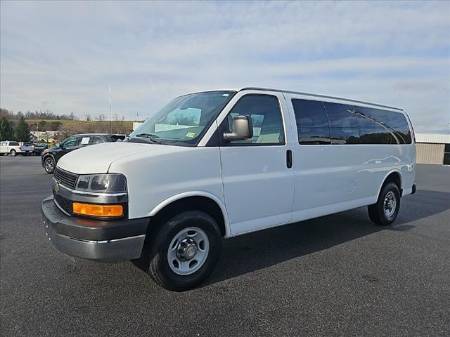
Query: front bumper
pixel 100 240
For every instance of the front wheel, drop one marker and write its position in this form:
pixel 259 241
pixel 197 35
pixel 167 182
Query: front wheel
pixel 12 153
pixel 385 211
pixel 49 164
pixel 185 250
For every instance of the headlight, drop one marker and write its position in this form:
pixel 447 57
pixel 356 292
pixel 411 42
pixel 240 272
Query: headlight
pixel 102 183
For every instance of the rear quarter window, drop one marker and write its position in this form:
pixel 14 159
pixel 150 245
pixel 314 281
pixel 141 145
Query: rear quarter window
pixel 383 127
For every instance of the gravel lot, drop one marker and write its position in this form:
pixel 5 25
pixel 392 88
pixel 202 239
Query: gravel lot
pixel 334 276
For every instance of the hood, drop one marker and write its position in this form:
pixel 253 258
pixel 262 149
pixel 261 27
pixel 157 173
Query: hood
pixel 98 158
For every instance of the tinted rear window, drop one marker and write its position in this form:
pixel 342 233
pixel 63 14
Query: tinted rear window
pixel 336 123
pixel 383 127
pixel 344 127
pixel 312 122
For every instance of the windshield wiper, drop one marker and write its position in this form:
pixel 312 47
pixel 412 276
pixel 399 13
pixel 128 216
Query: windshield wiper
pixel 150 136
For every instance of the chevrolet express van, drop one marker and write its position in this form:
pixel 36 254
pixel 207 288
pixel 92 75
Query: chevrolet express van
pixel 218 164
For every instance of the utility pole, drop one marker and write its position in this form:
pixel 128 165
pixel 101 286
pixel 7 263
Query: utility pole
pixel 110 109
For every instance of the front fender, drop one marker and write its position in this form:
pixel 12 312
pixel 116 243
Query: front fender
pixel 184 195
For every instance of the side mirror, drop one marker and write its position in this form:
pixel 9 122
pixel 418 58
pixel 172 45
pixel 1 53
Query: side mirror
pixel 242 129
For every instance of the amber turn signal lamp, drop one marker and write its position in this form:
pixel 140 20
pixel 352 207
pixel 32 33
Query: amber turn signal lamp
pixel 104 211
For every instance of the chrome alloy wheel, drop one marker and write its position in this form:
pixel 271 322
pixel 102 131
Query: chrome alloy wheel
pixel 188 251
pixel 389 204
pixel 49 164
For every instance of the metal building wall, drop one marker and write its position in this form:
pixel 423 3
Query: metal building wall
pixel 428 153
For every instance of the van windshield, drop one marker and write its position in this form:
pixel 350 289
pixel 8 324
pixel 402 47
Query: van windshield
pixel 184 120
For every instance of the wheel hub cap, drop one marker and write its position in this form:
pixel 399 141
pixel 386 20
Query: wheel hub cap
pixel 187 249
pixel 49 163
pixel 390 204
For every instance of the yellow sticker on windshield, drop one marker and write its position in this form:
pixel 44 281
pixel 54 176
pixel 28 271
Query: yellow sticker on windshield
pixel 190 134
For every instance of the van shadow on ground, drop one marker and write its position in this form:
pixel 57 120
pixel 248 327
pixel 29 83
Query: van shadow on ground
pixel 259 250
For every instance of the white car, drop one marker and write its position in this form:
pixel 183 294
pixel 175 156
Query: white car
pixel 10 147
pixel 218 164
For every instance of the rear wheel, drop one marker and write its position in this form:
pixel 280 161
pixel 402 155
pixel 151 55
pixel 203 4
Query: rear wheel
pixel 12 153
pixel 49 164
pixel 385 210
pixel 185 250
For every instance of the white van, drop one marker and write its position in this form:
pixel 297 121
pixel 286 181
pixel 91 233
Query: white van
pixel 217 164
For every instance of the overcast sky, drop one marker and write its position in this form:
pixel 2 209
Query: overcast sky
pixel 62 56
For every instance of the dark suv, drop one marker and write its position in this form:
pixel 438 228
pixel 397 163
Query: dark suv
pixel 50 157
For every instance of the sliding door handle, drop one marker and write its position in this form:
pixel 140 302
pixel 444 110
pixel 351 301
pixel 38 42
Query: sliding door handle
pixel 289 158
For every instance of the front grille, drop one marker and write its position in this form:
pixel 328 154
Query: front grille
pixel 65 178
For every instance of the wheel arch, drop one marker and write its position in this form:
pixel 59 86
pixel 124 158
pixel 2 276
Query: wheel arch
pixel 49 155
pixel 199 200
pixel 392 176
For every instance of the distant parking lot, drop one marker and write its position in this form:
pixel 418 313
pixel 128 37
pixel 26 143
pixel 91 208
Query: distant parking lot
pixel 335 275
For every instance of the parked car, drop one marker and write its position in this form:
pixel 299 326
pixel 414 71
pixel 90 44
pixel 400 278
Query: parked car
pixel 219 164
pixel 10 147
pixel 50 157
pixel 27 149
pixel 39 148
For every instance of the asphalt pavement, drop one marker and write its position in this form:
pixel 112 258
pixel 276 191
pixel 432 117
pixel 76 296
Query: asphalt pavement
pixel 337 275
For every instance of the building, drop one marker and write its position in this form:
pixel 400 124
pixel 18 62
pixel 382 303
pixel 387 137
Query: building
pixel 44 136
pixel 433 148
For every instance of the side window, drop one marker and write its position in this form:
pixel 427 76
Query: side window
pixel 344 126
pixel 374 127
pixel 13 144
pixel 71 142
pixel 264 110
pixel 96 140
pixel 312 122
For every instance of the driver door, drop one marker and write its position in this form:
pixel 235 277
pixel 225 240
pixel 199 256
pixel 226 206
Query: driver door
pixel 257 180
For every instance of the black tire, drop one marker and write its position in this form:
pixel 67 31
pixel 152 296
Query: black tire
pixel 381 215
pixel 159 268
pixel 12 153
pixel 49 164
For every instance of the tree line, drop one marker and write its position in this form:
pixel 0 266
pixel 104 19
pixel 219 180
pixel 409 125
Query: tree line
pixel 48 115
pixel 19 131
pixel 17 126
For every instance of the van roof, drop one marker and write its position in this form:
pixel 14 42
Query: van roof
pixel 321 96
